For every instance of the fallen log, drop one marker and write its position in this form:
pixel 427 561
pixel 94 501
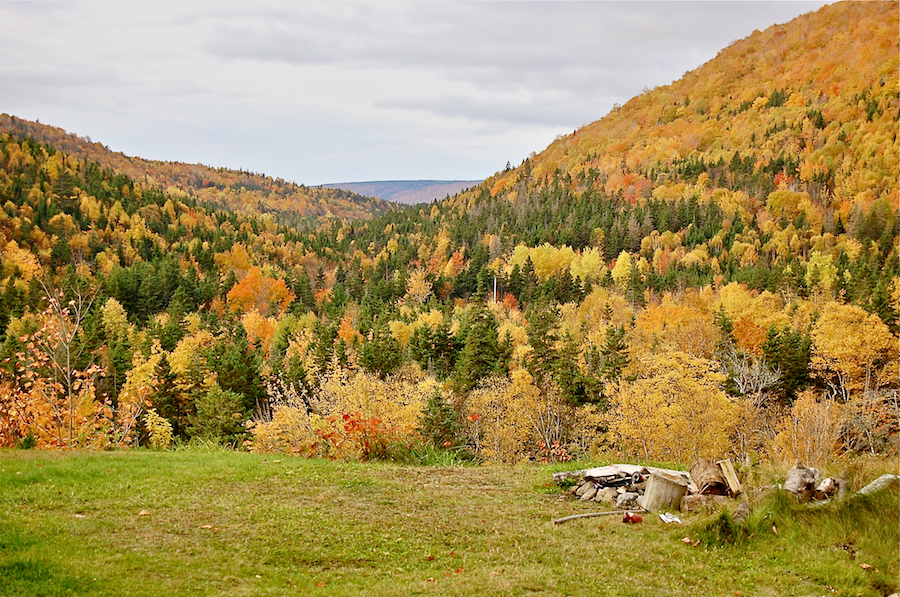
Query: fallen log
pixel 878 484
pixel 708 477
pixel 590 514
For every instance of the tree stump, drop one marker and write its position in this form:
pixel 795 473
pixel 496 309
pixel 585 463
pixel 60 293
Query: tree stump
pixel 664 492
pixel 801 481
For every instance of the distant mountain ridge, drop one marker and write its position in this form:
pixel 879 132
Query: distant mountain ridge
pixel 406 191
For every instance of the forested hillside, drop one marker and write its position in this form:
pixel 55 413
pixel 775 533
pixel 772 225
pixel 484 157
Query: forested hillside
pixel 711 269
pixel 235 190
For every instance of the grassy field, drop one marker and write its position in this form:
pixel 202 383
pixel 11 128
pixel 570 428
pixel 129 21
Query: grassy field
pixel 224 523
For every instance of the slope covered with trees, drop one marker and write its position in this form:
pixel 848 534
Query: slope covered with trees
pixel 232 189
pixel 711 269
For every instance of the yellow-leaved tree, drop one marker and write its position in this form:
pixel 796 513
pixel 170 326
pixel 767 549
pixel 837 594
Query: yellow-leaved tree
pixel 134 398
pixel 853 351
pixel 809 433
pixel 674 411
pixel 512 420
pixel 48 397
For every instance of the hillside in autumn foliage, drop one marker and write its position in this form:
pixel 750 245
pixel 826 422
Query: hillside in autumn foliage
pixel 231 189
pixel 709 270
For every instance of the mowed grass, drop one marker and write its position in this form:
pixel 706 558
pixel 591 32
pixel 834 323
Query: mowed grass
pixel 226 523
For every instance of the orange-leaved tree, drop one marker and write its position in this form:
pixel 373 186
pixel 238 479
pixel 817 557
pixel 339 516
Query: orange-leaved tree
pixel 258 291
pixel 50 396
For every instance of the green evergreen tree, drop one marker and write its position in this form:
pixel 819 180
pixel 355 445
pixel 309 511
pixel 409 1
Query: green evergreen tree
pixel 789 351
pixel 542 336
pixel 614 353
pixel 482 353
pixel 382 354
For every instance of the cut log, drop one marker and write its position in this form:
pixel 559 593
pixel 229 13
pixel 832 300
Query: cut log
pixel 708 478
pixel 664 492
pixel 878 484
pixel 801 481
pixel 734 484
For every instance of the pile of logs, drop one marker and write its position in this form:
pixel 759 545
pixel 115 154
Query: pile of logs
pixel 631 486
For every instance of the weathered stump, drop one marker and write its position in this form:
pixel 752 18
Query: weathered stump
pixel 664 492
pixel 801 481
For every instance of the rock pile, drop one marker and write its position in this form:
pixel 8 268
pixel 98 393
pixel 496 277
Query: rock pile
pixel 619 485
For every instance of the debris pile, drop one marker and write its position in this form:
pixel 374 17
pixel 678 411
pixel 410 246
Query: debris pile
pixel 804 482
pixel 631 486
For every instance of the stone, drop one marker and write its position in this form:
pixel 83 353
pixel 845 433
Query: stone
pixel 801 481
pixel 628 500
pixel 589 494
pixel 700 502
pixel 583 488
pixel 607 495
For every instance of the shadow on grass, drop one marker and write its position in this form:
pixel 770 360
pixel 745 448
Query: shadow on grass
pixel 37 578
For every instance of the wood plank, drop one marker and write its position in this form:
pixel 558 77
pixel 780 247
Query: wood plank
pixel 734 484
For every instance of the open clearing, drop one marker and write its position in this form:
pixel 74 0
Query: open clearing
pixel 225 523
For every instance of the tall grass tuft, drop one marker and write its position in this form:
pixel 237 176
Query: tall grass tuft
pixel 841 529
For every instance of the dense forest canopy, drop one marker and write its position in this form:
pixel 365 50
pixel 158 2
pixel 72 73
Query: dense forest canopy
pixel 716 260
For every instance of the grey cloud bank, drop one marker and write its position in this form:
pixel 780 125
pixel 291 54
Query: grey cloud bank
pixel 329 92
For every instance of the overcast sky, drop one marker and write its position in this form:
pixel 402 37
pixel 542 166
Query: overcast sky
pixel 351 91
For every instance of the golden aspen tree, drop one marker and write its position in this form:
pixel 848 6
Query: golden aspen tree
pixel 810 431
pixel 853 351
pixel 675 410
pixel 418 287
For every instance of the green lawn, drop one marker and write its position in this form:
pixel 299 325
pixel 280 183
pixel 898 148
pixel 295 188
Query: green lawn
pixel 224 523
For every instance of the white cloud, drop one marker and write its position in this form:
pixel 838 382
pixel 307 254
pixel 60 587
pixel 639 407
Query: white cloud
pixel 338 91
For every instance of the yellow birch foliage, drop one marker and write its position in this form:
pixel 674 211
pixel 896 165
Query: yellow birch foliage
pixel 115 320
pixel 401 331
pixel 159 430
pixel 397 401
pixel 622 270
pixel 589 264
pixel 259 328
pixel 291 428
pixel 675 327
pixel 418 288
pixel 508 418
pixel 853 350
pixel 58 406
pixel 134 398
pixel 809 434
pixel 497 420
pixel 675 411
